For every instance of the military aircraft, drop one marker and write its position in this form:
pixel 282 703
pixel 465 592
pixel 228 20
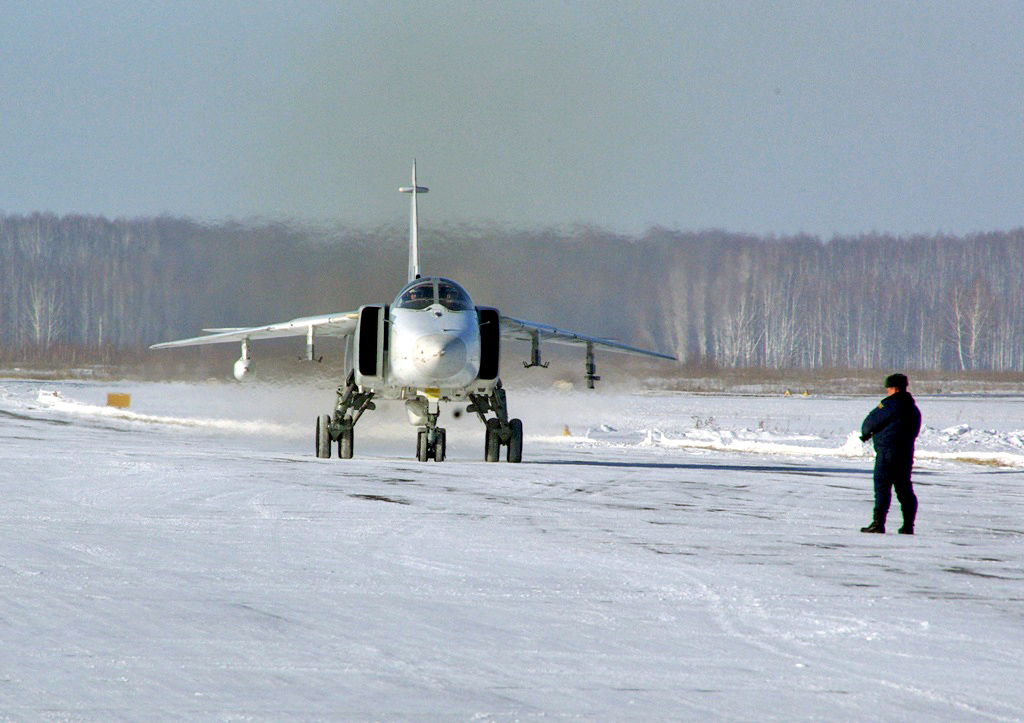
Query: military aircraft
pixel 430 345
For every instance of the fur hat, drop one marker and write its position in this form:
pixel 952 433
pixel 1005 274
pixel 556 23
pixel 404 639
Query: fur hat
pixel 899 381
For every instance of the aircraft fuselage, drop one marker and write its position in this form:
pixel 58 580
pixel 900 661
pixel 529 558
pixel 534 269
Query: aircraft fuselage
pixel 433 343
pixel 433 348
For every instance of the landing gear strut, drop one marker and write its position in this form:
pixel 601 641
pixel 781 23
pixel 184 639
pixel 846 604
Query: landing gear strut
pixel 500 430
pixel 340 426
pixel 431 439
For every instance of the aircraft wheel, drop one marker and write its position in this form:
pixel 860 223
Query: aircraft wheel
pixel 492 441
pixel 439 445
pixel 422 448
pixel 346 441
pixel 515 440
pixel 323 436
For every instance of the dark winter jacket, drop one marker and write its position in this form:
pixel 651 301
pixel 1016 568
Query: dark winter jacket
pixel 893 424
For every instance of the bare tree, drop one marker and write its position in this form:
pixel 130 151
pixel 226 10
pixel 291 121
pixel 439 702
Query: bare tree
pixel 924 302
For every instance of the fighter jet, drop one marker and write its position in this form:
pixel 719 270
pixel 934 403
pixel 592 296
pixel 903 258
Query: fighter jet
pixel 430 345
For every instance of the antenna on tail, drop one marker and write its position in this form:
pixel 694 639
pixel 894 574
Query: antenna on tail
pixel 414 230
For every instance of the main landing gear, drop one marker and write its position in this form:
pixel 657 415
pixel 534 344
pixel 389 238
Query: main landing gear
pixel 501 431
pixel 340 426
pixel 431 440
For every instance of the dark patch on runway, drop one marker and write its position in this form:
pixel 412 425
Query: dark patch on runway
pixel 381 498
pixel 825 545
pixel 975 573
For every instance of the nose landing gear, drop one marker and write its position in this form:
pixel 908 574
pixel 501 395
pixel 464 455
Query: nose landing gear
pixel 430 439
pixel 427 449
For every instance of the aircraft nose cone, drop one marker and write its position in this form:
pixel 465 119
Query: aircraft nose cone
pixel 439 356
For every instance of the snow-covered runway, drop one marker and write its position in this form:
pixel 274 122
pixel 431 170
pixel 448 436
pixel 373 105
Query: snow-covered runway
pixel 675 557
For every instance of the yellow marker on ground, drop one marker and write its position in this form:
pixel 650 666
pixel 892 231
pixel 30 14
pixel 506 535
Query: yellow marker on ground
pixel 119 400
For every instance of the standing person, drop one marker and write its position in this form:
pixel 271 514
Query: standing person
pixel 894 425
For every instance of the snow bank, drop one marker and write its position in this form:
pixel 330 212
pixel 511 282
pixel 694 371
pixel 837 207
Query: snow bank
pixel 819 435
pixel 766 427
pixel 55 401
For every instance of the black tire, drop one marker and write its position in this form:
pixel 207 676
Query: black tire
pixel 422 448
pixel 346 442
pixel 492 441
pixel 323 436
pixel 515 441
pixel 440 443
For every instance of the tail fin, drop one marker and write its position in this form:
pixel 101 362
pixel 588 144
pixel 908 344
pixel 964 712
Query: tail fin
pixel 414 226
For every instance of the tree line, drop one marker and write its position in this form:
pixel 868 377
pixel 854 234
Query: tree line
pixel 84 288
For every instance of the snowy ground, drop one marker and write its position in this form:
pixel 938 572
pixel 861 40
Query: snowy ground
pixel 676 557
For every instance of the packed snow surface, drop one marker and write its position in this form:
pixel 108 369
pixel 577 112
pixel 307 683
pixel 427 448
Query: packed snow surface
pixel 654 557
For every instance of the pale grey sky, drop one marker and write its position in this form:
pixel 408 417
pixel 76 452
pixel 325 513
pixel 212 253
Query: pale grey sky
pixel 764 117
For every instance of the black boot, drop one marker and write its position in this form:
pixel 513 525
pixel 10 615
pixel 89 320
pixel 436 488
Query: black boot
pixel 909 513
pixel 877 525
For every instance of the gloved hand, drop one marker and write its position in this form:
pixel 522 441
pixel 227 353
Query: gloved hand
pixel 865 437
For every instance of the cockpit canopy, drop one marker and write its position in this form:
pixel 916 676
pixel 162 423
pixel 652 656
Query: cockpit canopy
pixel 422 293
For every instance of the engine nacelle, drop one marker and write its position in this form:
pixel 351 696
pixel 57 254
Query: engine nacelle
pixel 371 343
pixel 490 343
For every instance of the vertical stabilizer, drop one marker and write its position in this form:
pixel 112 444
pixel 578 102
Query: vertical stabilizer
pixel 414 226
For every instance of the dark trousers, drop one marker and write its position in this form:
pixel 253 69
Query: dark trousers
pixel 892 472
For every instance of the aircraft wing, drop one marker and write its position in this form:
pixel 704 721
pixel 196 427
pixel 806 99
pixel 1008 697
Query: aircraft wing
pixel 341 324
pixel 530 330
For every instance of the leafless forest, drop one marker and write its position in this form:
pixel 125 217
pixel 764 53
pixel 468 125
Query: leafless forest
pixel 84 289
